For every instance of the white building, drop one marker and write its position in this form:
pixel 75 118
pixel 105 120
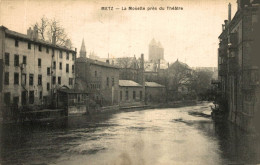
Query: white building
pixel 31 70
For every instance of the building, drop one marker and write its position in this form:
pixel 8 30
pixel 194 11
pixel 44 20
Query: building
pixel 32 69
pixel 155 92
pixel 238 77
pixel 156 51
pixel 99 79
pixel 130 92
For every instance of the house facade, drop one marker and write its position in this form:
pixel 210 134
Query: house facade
pixel 130 92
pixel 237 75
pixel 99 79
pixel 155 92
pixel 31 69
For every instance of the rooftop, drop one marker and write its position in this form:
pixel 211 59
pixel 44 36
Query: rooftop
pixel 128 83
pixel 11 33
pixel 95 62
pixel 154 85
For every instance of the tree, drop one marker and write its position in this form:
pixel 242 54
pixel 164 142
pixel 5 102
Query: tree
pixel 201 82
pixel 52 31
pixel 179 75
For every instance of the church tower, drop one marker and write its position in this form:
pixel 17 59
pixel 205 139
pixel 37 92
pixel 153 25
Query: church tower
pixel 83 52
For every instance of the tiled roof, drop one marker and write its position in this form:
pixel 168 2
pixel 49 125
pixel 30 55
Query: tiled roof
pixel 26 37
pixel 153 84
pixel 95 62
pixel 128 83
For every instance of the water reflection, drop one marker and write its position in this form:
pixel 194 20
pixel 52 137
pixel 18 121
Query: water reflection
pixel 165 136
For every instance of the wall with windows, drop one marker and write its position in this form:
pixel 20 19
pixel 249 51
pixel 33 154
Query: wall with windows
pixel 29 71
pixel 101 78
pixel 131 94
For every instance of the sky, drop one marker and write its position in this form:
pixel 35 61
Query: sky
pixel 189 35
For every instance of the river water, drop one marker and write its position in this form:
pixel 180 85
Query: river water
pixel 185 135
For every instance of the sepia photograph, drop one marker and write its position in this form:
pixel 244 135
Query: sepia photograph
pixel 129 82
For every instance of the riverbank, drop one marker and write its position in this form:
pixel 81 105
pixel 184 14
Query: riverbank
pixel 52 115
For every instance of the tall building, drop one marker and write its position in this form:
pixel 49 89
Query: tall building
pixel 99 79
pixel 31 70
pixel 156 51
pixel 237 75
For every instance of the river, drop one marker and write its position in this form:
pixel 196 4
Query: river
pixel 185 135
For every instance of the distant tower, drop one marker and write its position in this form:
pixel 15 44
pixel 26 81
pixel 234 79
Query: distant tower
pixel 83 52
pixel 156 51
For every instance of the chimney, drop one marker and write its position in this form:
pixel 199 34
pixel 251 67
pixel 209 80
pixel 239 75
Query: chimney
pixel 35 32
pixel 226 23
pixel 142 61
pixel 223 27
pixel 30 33
pixel 229 12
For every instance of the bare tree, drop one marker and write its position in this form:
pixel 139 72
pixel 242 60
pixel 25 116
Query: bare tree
pixel 42 27
pixel 52 31
pixel 56 33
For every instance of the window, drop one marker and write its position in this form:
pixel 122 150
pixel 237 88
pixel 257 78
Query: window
pixel 141 95
pixel 16 43
pixel 29 45
pixel 73 69
pixel 60 65
pixel 48 71
pixel 121 95
pixel 16 78
pixel 16 100
pixel 107 81
pixel 126 95
pixel 31 97
pixel 39 79
pixel 7 59
pixel 95 73
pixel 7 98
pixel 16 60
pixel 54 64
pixel 39 62
pixel 70 81
pixel 133 95
pixel 113 81
pixel 40 48
pixel 67 68
pixel 48 86
pixel 73 56
pixel 59 80
pixel 23 79
pixel 67 56
pixel 6 78
pixel 24 97
pixel 40 95
pixel 60 54
pixel 31 79
pixel 47 50
pixel 54 80
pixel 24 59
